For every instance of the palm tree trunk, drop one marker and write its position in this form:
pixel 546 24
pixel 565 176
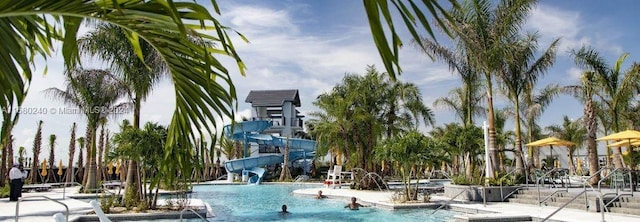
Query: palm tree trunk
pixel 518 154
pixel 87 149
pixel 285 175
pixel 493 152
pixel 572 167
pixel 592 147
pixel 617 157
pixel 469 168
pixel 132 168
pixel 92 178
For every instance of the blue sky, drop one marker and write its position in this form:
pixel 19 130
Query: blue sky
pixel 310 45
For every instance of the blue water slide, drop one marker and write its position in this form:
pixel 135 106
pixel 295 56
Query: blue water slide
pixel 257 178
pixel 236 166
pixel 295 144
pixel 237 131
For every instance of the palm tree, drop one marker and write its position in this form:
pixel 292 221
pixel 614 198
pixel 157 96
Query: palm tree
pixel 108 42
pixel 95 93
pixel 533 104
pixel 389 49
pixel 573 131
pixel 615 87
pixel 585 92
pixel 482 31
pixel 203 87
pixel 52 156
pixel 72 150
pixel 523 70
pixel 37 143
pixel 81 145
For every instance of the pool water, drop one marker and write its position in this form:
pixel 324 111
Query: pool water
pixel 263 203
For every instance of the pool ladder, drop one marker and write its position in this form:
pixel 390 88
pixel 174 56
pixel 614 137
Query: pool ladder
pixel 196 213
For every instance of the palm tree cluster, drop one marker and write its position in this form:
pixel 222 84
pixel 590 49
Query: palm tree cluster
pixel 362 110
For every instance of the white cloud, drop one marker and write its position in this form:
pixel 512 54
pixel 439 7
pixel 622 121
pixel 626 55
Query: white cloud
pixel 575 73
pixel 573 29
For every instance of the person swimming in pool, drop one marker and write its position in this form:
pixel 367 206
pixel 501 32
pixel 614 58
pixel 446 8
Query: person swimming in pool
pixel 284 210
pixel 354 205
pixel 320 196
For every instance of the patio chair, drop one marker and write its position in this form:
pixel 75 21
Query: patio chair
pixel 618 180
pixel 334 177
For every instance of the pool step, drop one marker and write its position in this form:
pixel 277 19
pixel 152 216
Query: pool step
pixel 623 205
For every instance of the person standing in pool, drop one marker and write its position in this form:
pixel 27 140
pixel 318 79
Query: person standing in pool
pixel 320 196
pixel 354 205
pixel 284 210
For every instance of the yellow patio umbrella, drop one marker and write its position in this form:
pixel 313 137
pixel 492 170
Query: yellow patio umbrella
pixel 44 168
pixel 550 141
pixel 624 135
pixel 60 168
pixel 110 166
pixel 633 142
pixel 628 135
pixel 118 169
pixel 579 165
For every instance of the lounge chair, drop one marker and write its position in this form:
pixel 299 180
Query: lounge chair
pixel 59 217
pixel 334 177
pixel 96 207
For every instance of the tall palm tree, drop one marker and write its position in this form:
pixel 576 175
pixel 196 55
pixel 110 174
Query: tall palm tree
pixel 482 31
pixel 37 144
pixel 203 87
pixel 533 104
pixel 72 151
pixel 615 87
pixel 95 93
pixel 52 155
pixel 109 43
pixel 585 92
pixel 523 70
pixel 573 131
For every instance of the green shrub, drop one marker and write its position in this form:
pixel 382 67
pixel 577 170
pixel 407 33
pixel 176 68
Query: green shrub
pixel 4 191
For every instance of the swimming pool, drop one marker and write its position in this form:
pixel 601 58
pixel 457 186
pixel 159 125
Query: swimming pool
pixel 262 203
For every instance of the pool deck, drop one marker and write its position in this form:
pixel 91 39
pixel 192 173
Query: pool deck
pixel 34 208
pixel 477 211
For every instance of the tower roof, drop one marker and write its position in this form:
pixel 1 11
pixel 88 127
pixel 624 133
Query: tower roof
pixel 273 98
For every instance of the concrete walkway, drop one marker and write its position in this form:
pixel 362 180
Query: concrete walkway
pixel 35 208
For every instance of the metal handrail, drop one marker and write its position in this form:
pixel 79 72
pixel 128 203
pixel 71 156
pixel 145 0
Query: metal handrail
pixel 572 199
pixel 448 201
pixel 512 192
pixel 45 197
pixel 501 182
pixel 551 195
pixel 616 198
pixel 542 178
pixel 587 182
pixel 189 209
pixel 444 173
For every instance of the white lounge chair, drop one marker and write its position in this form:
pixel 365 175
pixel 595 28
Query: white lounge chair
pixel 96 207
pixel 59 217
pixel 334 177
